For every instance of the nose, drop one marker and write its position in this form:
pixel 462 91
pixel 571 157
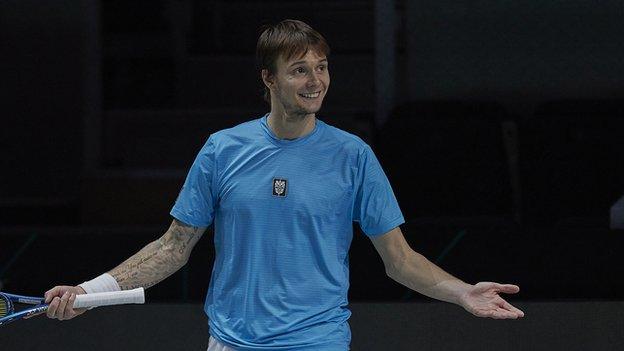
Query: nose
pixel 313 80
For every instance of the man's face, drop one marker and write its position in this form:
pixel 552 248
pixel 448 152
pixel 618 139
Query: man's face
pixel 300 84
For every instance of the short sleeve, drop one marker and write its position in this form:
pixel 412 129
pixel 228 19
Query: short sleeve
pixel 196 202
pixel 375 206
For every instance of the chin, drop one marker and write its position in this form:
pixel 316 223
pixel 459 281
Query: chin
pixel 307 112
pixel 311 109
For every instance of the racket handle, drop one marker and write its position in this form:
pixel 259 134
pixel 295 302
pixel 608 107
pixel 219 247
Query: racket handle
pixel 110 298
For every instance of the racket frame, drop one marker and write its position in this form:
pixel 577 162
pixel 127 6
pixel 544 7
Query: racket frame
pixel 11 316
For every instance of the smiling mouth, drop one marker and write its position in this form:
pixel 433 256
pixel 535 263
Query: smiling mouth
pixel 310 95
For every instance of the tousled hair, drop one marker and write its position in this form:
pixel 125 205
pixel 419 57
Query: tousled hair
pixel 287 39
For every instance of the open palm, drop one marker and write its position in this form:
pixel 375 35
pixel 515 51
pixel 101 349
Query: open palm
pixel 483 300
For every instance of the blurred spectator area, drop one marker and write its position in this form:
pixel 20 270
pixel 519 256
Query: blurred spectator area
pixel 503 141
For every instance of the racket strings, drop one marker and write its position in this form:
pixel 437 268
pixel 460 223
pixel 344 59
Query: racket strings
pixel 5 308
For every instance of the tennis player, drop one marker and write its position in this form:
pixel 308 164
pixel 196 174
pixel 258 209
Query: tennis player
pixel 282 192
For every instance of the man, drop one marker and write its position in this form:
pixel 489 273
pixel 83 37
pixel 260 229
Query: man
pixel 282 192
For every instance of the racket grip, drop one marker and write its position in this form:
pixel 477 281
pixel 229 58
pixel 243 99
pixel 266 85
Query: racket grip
pixel 136 296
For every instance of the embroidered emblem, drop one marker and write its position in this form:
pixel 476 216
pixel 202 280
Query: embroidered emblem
pixel 280 187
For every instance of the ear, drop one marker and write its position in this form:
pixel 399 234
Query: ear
pixel 268 78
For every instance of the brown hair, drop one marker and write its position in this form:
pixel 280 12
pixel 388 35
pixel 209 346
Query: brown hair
pixel 287 38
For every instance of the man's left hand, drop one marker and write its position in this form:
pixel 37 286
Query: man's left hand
pixel 483 300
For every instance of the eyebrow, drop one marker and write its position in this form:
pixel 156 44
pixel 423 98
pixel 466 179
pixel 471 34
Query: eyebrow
pixel 300 62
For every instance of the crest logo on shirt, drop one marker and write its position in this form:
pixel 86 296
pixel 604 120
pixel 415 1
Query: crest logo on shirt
pixel 280 187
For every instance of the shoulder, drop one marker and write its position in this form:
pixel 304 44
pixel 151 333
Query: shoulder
pixel 245 130
pixel 345 140
pixel 241 134
pixel 360 154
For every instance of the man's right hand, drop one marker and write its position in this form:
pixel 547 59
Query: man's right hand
pixel 61 299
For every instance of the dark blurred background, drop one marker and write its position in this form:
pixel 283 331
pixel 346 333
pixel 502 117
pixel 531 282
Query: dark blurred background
pixel 499 123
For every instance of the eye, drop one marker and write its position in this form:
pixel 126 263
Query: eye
pixel 300 70
pixel 322 68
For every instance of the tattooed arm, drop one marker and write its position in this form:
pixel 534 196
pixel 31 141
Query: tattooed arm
pixel 155 262
pixel 158 259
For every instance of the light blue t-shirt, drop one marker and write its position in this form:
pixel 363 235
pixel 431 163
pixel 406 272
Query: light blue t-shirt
pixel 283 213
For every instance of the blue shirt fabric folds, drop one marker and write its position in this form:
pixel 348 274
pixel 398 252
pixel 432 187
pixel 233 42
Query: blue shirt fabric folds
pixel 282 213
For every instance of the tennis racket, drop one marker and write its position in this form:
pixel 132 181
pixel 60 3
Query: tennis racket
pixel 8 301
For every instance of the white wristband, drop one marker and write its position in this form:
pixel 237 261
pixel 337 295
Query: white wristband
pixel 103 283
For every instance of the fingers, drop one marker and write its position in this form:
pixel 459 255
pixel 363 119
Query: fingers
pixel 504 288
pixel 61 302
pixel 50 294
pixel 63 308
pixel 503 305
pixel 61 311
pixel 498 313
pixel 504 310
pixel 69 309
pixel 51 312
pixel 53 298
pixel 497 308
pixel 511 308
pixel 504 314
pixel 508 288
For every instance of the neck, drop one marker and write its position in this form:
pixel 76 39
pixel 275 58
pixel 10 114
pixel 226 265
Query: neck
pixel 286 126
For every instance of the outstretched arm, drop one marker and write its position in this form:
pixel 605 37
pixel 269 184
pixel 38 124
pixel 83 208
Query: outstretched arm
pixel 416 272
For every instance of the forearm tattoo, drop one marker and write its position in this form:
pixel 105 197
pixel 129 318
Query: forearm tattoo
pixel 159 259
